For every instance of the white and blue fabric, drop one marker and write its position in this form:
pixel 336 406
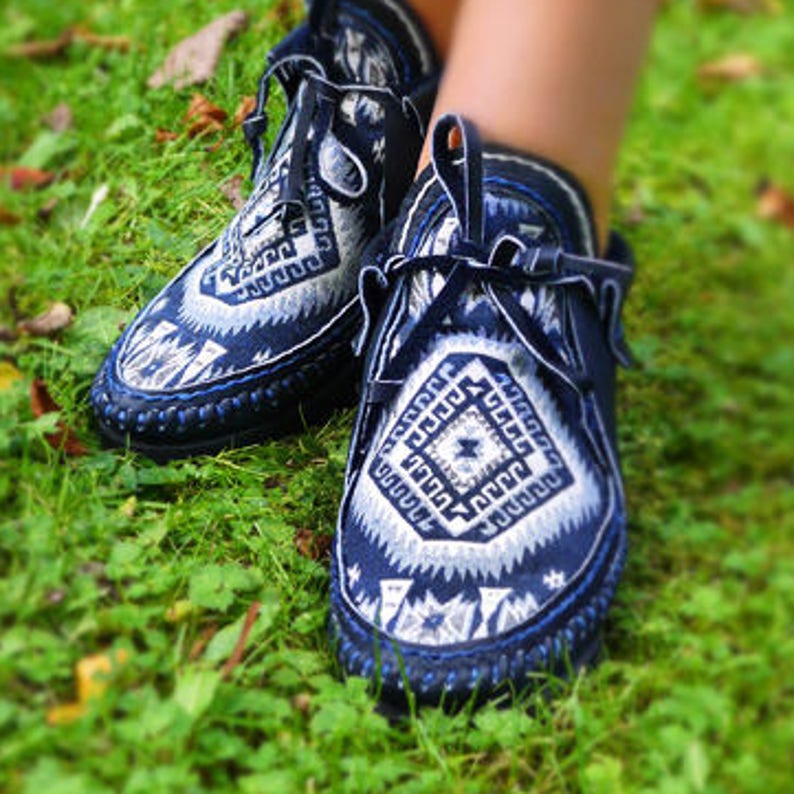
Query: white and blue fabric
pixel 482 531
pixel 256 330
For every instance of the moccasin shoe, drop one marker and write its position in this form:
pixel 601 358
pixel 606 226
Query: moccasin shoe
pixel 482 531
pixel 254 334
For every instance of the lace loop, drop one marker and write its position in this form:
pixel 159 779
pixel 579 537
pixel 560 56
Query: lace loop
pixel 313 102
pixel 509 268
pixel 462 182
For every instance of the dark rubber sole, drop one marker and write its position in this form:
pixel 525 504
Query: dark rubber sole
pixel 526 658
pixel 337 392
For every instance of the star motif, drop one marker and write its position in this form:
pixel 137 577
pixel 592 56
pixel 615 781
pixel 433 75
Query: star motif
pixel 554 580
pixel 353 574
pixel 434 623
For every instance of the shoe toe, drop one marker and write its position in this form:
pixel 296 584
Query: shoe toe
pixel 226 354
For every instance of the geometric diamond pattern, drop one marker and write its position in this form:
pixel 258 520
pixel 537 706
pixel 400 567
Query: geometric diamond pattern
pixel 469 457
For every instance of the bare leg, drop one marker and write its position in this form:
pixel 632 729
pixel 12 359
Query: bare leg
pixel 438 17
pixel 551 77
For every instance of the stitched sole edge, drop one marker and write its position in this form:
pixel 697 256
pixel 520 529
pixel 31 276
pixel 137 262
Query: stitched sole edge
pixel 266 421
pixel 454 678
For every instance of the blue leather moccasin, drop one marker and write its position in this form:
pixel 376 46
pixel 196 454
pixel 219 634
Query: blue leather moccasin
pixel 482 532
pixel 256 331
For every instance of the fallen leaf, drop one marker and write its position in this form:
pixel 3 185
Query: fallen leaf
pixel 195 59
pixel 9 375
pixel 312 545
pixel 92 681
pixel 65 714
pixel 50 48
pixel 64 438
pixel 119 43
pixel 46 209
pixel 232 189
pixel 92 673
pixel 288 13
pixel 22 178
pixel 40 400
pixel 203 126
pixel 8 218
pixel 50 322
pixel 239 648
pixel 60 118
pixel 161 135
pixel 203 117
pixel 53 48
pixel 201 643
pixel 244 109
pixel 731 69
pixel 775 204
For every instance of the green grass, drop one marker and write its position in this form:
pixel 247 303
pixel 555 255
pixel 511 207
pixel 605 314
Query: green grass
pixel 110 551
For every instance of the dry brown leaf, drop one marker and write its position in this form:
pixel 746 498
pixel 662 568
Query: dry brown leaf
pixel 775 204
pixel 162 136
pixel 63 438
pixel 288 13
pixel 201 643
pixel 200 107
pixel 244 109
pixel 50 48
pixel 312 545
pixel 204 126
pixel 50 322
pixel 239 646
pixel 8 218
pixel 21 177
pixel 232 189
pixel 203 117
pixel 60 118
pixel 195 59
pixel 731 69
pixel 119 43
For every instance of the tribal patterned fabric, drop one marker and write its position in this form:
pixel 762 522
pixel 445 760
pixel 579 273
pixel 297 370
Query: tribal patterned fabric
pixel 482 531
pixel 261 321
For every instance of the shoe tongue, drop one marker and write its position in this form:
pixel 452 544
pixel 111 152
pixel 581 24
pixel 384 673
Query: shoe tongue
pixel 524 197
pixel 380 43
pixel 376 43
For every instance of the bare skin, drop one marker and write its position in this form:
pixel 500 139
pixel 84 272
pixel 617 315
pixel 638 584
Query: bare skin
pixel 438 17
pixel 553 78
